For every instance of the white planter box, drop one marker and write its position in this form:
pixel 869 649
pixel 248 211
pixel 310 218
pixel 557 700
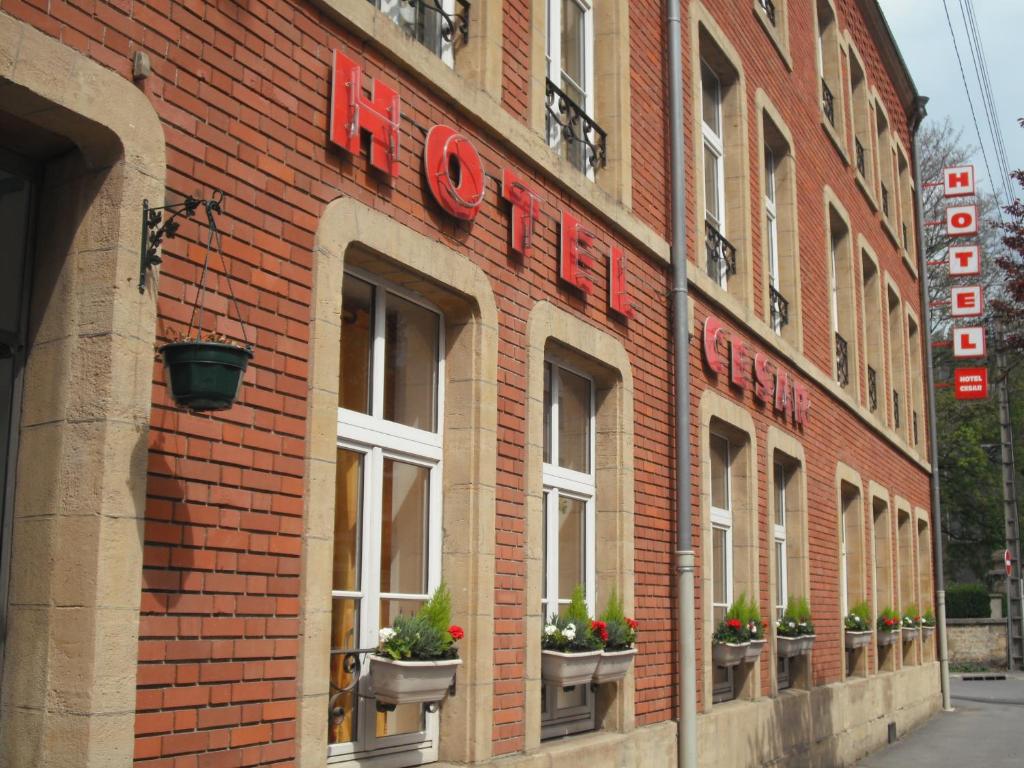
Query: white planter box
pixel 405 682
pixel 613 665
pixel 790 647
pixel 754 651
pixel 729 654
pixel 888 638
pixel 926 633
pixel 568 669
pixel 910 634
pixel 857 639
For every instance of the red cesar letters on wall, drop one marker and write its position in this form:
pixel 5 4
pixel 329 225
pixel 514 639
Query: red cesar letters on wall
pixel 574 258
pixel 525 211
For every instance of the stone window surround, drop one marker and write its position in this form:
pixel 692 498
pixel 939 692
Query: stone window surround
pixel 872 330
pixel 611 87
pixel 880 498
pixel 907 206
pixel 915 398
pixel 896 358
pixel 885 157
pixel 847 480
pixel 722 415
pixel 846 286
pixel 72 653
pixel 906 571
pixel 788 241
pixel 351 233
pixel 778 32
pixel 925 574
pixel 831 59
pixel 862 117
pixel 737 168
pixel 783 446
pixel 554 333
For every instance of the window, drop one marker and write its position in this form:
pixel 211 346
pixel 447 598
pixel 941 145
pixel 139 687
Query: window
pixel 907 573
pixel 440 25
pixel 841 299
pixel 721 549
pixel 779 233
pixel 387 542
pixel 719 250
pixel 774 18
pixel 781 557
pixel 897 355
pixel 924 574
pixel 779 307
pixel 571 129
pixel 883 597
pixel 886 189
pixel 829 70
pixel 569 525
pixel 915 403
pixel 852 569
pixel 872 293
pixel 862 141
pixel 906 208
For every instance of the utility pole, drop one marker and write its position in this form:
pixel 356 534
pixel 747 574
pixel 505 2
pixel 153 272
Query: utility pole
pixel 1014 584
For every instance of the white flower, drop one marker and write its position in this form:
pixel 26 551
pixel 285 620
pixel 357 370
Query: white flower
pixel 792 624
pixel 549 630
pixel 753 629
pixel 385 634
pixel 569 633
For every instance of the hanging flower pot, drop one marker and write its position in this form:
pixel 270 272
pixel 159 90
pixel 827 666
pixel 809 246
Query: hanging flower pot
pixel 754 651
pixel 613 665
pixel 568 669
pixel 411 682
pixel 855 639
pixel 927 632
pixel 888 638
pixel 204 375
pixel 729 654
pixel 788 647
pixel 204 369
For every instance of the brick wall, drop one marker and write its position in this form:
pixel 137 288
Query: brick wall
pixel 242 93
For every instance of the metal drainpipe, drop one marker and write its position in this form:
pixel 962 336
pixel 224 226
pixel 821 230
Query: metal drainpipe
pixel 686 658
pixel 940 588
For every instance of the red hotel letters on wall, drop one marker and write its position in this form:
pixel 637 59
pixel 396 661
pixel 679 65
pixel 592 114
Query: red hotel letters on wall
pixel 729 355
pixel 461 192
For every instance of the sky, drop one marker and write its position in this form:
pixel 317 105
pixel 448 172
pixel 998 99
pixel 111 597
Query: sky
pixel 923 35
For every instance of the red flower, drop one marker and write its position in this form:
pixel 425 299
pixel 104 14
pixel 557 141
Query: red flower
pixel 632 624
pixel 600 629
pixel 456 632
pixel 734 623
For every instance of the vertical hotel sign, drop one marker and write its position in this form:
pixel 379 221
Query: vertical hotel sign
pixel 966 301
pixel 457 181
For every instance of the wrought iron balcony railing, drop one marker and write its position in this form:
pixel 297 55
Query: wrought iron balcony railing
pixel 896 409
pixel 828 103
pixel 842 361
pixel 769 10
pixel 430 22
pixel 587 141
pixel 861 164
pixel 872 389
pixel 779 308
pixel 906 237
pixel 913 421
pixel 721 254
pixel 885 200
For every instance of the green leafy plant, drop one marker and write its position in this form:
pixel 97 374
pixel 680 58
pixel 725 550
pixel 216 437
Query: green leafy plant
pixel 620 630
pixel 796 619
pixel 928 618
pixel 911 617
pixel 750 614
pixel 888 620
pixel 967 601
pixel 858 619
pixel 734 628
pixel 427 636
pixel 573 631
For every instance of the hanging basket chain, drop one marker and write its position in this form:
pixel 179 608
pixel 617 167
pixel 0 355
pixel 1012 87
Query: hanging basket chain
pixel 213 242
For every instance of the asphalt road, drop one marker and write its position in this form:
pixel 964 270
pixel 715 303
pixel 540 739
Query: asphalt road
pixel 986 730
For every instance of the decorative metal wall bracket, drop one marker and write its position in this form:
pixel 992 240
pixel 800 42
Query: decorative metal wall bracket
pixel 155 230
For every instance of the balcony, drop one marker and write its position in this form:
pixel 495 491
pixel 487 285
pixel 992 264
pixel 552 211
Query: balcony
pixel 567 123
pixel 885 200
pixel 769 10
pixel 872 389
pixel 842 361
pixel 828 103
pixel 779 309
pixel 896 409
pixel 721 255
pixel 861 163
pixel 436 24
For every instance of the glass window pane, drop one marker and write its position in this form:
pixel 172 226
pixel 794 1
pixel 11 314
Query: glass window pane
pixel 710 95
pixel 348 508
pixel 410 366
pixel 344 636
pixel 547 412
pixel 573 421
pixel 573 697
pixel 403 536
pixel 719 452
pixel 780 576
pixel 573 51
pixel 719 587
pixel 780 495
pixel 711 201
pixel 769 174
pixel 571 543
pixel 356 344
pixel 544 559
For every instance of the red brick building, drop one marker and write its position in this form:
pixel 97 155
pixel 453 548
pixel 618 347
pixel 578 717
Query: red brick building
pixel 472 384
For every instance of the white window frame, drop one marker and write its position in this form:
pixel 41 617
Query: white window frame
pixel 715 144
pixel 721 519
pixel 403 14
pixel 772 229
pixel 844 591
pixel 834 279
pixel 553 56
pixel 782 566
pixel 376 439
pixel 559 481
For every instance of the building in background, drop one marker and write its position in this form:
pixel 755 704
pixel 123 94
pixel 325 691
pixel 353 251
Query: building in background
pixel 461 372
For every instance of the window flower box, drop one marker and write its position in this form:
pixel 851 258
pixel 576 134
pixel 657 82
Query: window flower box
pixel 926 633
pixel 729 654
pixel 613 665
pixel 888 638
pixel 909 634
pixel 410 682
pixel 754 651
pixel 854 640
pixel 791 647
pixel 569 669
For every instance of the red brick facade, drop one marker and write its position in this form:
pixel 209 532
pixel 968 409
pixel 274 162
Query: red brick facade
pixel 242 92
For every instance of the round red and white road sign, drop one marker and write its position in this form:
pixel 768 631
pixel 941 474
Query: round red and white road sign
pixel 1008 561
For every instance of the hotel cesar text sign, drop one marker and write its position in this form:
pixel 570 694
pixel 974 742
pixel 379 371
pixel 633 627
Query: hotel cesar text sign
pixel 456 179
pixel 731 356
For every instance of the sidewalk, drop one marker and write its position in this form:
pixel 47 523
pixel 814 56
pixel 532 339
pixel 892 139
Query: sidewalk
pixel 986 729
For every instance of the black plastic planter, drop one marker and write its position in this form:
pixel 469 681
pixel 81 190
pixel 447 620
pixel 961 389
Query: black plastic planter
pixel 205 375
